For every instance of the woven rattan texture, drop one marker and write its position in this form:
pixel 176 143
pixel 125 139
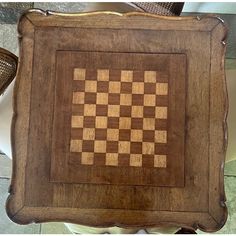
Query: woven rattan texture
pixel 160 8
pixel 8 65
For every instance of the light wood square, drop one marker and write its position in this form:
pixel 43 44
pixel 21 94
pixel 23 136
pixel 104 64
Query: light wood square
pixel 100 146
pixel 112 134
pixel 89 110
pixel 75 145
pixel 136 135
pixel 161 136
pixel 78 98
pixel 160 161
pixel 88 134
pixel 126 75
pixel 162 88
pixel 113 110
pixel 114 87
pixel 124 122
pixel 77 121
pixel 148 148
pixel 137 111
pixel 101 121
pixel 79 74
pixel 90 86
pixel 102 98
pixel 138 88
pixel 103 75
pixel 149 124
pixel 149 100
pixel 150 76
pixel 124 147
pixel 126 99
pixel 112 159
pixel 135 160
pixel 161 113
pixel 87 158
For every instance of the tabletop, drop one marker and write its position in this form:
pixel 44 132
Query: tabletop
pixel 119 120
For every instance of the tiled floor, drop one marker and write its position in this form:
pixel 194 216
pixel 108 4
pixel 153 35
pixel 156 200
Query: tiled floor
pixel 230 169
pixel 8 40
pixel 5 167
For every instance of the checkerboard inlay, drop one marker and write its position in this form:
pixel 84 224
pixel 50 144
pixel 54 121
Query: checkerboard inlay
pixel 122 118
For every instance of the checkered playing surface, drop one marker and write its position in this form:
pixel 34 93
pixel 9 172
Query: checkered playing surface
pixel 119 117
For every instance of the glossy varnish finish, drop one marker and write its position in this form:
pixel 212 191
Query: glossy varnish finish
pixel 58 177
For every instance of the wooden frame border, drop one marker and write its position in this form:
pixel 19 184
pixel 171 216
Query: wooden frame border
pixel 211 221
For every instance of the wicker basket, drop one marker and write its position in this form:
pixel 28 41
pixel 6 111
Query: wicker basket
pixel 8 67
pixel 160 8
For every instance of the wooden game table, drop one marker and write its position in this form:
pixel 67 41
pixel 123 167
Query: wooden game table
pixel 119 120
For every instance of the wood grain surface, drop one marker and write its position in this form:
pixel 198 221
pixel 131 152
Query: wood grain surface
pixel 69 61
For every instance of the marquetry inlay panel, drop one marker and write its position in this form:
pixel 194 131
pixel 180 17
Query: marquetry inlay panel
pixel 119 114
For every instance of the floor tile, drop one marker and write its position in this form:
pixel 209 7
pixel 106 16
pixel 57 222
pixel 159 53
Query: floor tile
pixel 9 37
pixel 5 166
pixel 10 11
pixel 230 64
pixel 6 225
pixel 230 168
pixel 54 228
pixel 61 7
pixel 231 88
